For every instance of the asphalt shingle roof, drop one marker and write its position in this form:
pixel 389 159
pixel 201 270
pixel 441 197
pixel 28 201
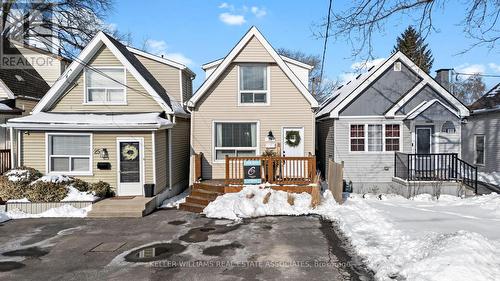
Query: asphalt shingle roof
pixel 490 100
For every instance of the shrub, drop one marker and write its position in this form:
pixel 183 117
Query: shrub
pixel 101 189
pixel 23 175
pixel 46 191
pixel 11 190
pixel 79 184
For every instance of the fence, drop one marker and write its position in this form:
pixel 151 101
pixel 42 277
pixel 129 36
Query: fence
pixel 4 160
pixel 335 179
pixel 274 169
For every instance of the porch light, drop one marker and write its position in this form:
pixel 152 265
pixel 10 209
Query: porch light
pixel 103 153
pixel 270 135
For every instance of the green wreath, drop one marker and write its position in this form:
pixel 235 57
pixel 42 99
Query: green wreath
pixel 292 138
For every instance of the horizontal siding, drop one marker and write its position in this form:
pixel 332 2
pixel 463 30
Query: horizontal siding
pixel 48 67
pixel 161 151
pixel 180 150
pixel 253 52
pixel 187 87
pixel 365 167
pixel 167 76
pixel 488 125
pixel 138 100
pixel 34 154
pixel 325 138
pixel 288 107
pixel 26 105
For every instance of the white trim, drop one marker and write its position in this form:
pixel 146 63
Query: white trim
pixel 484 150
pixel 392 111
pixel 253 32
pixel 365 128
pixel 94 127
pixel 340 102
pixel 256 148
pixel 267 92
pixel 69 173
pixel 431 140
pixel 18 146
pixel 153 151
pixel 85 88
pixel 12 156
pixel 424 106
pixel 286 59
pixel 181 88
pixel 7 90
pixel 142 164
pixel 77 66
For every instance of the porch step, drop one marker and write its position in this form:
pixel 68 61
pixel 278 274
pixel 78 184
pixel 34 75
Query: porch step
pixel 115 214
pixel 122 208
pixel 192 207
pixel 205 194
pixel 207 187
pixel 198 200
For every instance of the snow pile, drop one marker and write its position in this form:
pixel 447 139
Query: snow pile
pixel 4 216
pixel 398 238
pixel 54 179
pixel 65 211
pixel 22 200
pixel 491 178
pixel 174 202
pixel 16 175
pixel 76 195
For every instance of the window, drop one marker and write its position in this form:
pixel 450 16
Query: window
pixel 448 127
pixel 479 143
pixel 375 137
pixel 69 153
pixel 105 86
pixel 253 84
pixel 235 139
pixel 357 137
pixel 392 137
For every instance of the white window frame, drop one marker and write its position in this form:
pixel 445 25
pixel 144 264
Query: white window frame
pixel 383 151
pixel 69 173
pixel 214 141
pixel 86 92
pixel 268 91
pixel 484 150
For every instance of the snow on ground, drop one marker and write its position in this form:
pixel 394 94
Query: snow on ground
pixel 65 211
pixel 76 195
pixel 492 178
pixel 54 179
pixel 419 239
pixel 16 175
pixel 174 202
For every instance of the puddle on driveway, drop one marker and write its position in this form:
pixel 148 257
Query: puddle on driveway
pixel 155 252
pixel 26 252
pixel 218 250
pixel 200 234
pixel 10 265
pixel 177 222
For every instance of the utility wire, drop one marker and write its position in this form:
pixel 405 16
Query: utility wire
pixel 477 74
pixel 326 40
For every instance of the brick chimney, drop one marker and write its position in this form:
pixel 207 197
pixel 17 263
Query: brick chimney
pixel 443 77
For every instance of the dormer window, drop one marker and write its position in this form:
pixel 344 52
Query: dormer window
pixel 105 85
pixel 254 86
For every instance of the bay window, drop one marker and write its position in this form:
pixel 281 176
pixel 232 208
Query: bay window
pixel 235 139
pixel 105 86
pixel 69 154
pixel 374 137
pixel 253 88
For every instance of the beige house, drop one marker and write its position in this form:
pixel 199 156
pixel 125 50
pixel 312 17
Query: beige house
pixel 116 115
pixel 250 96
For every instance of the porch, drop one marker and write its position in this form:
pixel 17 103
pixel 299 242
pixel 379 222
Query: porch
pixel 435 167
pixel 290 174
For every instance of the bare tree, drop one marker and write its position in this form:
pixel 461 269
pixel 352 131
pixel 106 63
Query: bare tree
pixel 320 89
pixel 361 20
pixel 470 89
pixel 64 25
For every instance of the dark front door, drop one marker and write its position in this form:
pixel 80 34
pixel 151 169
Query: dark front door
pixel 424 143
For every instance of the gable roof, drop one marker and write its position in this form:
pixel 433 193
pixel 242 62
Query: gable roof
pixel 253 32
pixel 161 60
pixel 129 61
pixel 343 97
pixel 489 101
pixel 22 81
pixel 422 107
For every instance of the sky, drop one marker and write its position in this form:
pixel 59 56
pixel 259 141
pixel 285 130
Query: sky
pixel 195 32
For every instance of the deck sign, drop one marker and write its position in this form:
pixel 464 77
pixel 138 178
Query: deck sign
pixel 251 168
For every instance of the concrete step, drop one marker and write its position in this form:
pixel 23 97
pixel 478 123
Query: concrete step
pixel 198 200
pixel 192 207
pixel 115 214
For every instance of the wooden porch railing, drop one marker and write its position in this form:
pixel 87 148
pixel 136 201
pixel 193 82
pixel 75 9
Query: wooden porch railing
pixel 274 169
pixel 198 158
pixel 4 160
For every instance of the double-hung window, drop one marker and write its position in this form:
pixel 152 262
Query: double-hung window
pixel 479 143
pixel 375 137
pixel 105 86
pixel 253 88
pixel 235 139
pixel 69 154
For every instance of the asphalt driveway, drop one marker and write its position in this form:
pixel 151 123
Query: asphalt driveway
pixel 173 244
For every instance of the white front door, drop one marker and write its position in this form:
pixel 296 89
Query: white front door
pixel 293 146
pixel 130 166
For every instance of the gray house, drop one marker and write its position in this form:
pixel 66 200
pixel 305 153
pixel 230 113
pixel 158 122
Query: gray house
pixel 393 108
pixel 481 134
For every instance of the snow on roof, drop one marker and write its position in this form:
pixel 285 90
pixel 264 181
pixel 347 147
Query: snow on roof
pixel 43 120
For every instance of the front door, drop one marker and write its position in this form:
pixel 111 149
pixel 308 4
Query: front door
pixel 293 141
pixel 423 139
pixel 130 154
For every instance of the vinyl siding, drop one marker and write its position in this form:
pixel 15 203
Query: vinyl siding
pixel 161 151
pixel 366 167
pixel 26 104
pixel 180 151
pixel 253 52
pixel 487 124
pixel 33 154
pixel 325 133
pixel 47 66
pixel 138 100
pixel 166 75
pixel 187 87
pixel 288 107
